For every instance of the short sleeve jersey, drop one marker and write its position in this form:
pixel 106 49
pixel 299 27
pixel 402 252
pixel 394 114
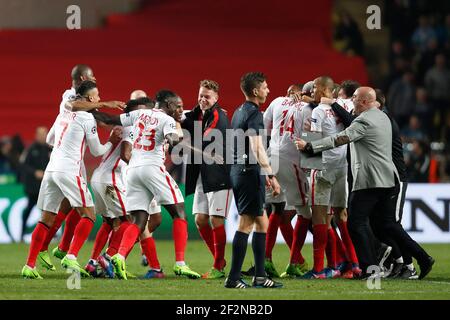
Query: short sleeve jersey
pixel 112 169
pixel 324 120
pixel 149 129
pixel 71 131
pixel 67 96
pixel 247 121
pixel 284 117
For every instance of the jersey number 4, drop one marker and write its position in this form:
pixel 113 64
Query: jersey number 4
pixel 145 136
pixel 290 124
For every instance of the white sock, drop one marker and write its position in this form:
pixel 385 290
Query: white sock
pixel 180 263
pixel 410 266
pixel 399 260
pixel 71 257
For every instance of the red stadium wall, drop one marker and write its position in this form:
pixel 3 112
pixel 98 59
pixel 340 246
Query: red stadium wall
pixel 171 44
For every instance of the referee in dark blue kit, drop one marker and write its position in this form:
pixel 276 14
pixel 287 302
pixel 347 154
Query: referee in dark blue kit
pixel 249 172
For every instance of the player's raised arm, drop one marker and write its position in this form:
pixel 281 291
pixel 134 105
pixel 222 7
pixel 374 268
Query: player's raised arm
pixel 107 118
pixel 80 105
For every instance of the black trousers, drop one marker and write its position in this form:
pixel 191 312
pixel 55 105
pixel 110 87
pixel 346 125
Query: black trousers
pixel 32 200
pixel 390 225
pixel 363 207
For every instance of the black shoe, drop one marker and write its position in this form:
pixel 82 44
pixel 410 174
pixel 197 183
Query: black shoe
pixel 407 274
pixel 383 254
pixel 250 272
pixel 235 284
pixel 425 267
pixel 265 282
pixel 396 270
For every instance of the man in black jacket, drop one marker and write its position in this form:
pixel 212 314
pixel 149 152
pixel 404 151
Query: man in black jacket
pixel 209 180
pixel 35 159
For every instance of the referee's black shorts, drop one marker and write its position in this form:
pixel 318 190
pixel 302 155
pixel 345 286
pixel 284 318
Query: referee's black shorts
pixel 248 189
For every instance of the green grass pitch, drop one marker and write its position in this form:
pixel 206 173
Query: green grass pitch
pixel 54 285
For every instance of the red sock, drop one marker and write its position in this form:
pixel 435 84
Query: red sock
pixel 287 232
pixel 299 236
pixel 116 238
pixel 341 253
pixel 129 239
pixel 220 240
pixel 100 240
pixel 80 235
pixel 52 231
pixel 72 220
pixel 37 239
pixel 206 233
pixel 149 249
pixel 347 241
pixel 271 236
pixel 320 232
pixel 331 248
pixel 180 236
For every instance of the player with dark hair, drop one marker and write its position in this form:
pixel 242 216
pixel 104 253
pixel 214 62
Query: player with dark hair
pixel 63 179
pixel 79 73
pixel 147 178
pixel 248 182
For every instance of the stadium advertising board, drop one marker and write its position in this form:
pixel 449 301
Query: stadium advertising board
pixel 426 215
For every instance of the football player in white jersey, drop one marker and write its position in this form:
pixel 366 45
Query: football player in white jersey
pixel 79 73
pixel 70 134
pixel 147 178
pixel 109 187
pixel 328 186
pixel 348 263
pixel 282 118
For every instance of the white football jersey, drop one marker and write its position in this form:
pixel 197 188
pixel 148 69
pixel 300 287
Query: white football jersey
pixel 324 120
pixel 347 104
pixel 150 127
pixel 284 119
pixel 67 96
pixel 112 169
pixel 72 132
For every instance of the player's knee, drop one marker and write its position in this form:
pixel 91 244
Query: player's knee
pixel 48 219
pixel 217 221
pixel 201 220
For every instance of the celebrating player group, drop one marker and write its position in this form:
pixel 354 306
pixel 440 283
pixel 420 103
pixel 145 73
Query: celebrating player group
pixel 268 182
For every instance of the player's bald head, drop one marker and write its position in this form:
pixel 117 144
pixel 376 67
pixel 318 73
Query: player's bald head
pixel 323 87
pixel 136 94
pixel 81 70
pixel 80 73
pixel 325 82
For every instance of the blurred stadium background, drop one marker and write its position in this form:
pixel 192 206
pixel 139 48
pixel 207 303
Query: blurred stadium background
pixel 154 44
